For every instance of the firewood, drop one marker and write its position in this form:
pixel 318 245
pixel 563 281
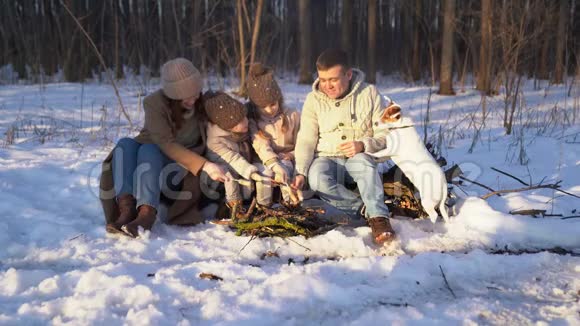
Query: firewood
pixel 530 212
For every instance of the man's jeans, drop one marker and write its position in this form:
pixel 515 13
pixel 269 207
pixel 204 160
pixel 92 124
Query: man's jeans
pixel 329 175
pixel 144 171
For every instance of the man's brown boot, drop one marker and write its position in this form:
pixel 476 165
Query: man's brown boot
pixel 381 230
pixel 127 213
pixel 145 219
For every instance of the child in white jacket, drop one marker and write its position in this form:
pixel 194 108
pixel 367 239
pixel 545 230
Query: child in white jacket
pixel 273 128
pixel 228 144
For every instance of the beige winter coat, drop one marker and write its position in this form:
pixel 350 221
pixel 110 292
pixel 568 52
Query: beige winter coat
pixel 223 149
pixel 273 140
pixel 326 122
pixel 160 129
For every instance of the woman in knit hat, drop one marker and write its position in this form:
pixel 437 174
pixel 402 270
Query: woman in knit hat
pixel 171 144
pixel 228 144
pixel 275 127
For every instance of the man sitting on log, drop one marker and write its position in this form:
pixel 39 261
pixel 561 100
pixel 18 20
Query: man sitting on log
pixel 338 129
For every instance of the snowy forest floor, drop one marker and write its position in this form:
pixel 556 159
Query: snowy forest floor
pixel 486 266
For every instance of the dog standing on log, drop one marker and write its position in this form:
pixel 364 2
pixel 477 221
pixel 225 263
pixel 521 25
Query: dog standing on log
pixel 407 150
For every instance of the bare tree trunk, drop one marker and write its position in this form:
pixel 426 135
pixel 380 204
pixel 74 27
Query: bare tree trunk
pixel 321 37
pixel 305 32
pixel 177 28
pixel 561 42
pixel 242 46
pixel 548 19
pixel 18 52
pixel 416 60
pixel 446 79
pixel 118 64
pixel 346 26
pixel 196 23
pixel 161 46
pixel 485 50
pixel 256 32
pixel 372 41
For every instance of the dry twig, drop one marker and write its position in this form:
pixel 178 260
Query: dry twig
pixel 477 183
pixel 509 175
pixel 247 243
pixel 528 184
pixel 447 283
pixel 540 186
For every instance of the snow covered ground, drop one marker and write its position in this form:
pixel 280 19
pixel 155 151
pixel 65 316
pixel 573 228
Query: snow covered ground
pixel 57 265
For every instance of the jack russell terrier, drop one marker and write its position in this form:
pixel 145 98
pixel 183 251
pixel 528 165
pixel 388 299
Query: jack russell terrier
pixel 407 150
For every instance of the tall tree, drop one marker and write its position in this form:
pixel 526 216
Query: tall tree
pixel 346 26
pixel 242 46
pixel 305 44
pixel 446 76
pixel 118 64
pixel 562 36
pixel 416 59
pixel 372 41
pixel 256 31
pixel 548 36
pixel 485 50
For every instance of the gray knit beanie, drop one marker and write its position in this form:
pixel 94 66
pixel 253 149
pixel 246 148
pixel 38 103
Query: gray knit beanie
pixel 180 79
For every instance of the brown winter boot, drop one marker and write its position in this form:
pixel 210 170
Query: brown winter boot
pixel 381 230
pixel 127 213
pixel 145 219
pixel 237 211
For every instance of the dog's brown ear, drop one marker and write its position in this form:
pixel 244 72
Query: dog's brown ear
pixel 391 114
pixel 393 110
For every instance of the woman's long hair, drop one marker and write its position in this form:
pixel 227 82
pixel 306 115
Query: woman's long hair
pixel 177 111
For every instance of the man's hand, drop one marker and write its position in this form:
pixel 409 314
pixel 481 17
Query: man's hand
pixel 215 172
pixel 351 148
pixel 280 174
pixel 299 181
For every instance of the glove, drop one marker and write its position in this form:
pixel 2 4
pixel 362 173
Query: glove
pixel 280 173
pixel 215 172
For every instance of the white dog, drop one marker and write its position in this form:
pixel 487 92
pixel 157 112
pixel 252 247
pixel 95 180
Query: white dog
pixel 406 149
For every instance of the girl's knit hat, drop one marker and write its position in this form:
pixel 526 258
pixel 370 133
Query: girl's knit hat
pixel 223 110
pixel 262 89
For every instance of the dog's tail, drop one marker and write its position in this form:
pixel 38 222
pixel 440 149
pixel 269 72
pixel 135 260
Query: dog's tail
pixel 442 206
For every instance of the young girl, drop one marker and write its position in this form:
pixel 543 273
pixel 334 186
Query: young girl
pixel 274 128
pixel 228 143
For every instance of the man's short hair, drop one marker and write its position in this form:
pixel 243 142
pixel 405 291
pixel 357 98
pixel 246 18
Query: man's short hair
pixel 330 58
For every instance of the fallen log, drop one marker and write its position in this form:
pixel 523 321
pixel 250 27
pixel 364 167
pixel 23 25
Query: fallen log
pixel 530 212
pixel 506 191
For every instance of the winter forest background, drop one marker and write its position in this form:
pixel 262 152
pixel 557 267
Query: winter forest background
pixel 420 40
pixel 73 75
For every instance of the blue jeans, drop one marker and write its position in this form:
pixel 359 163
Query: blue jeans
pixel 329 175
pixel 144 171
